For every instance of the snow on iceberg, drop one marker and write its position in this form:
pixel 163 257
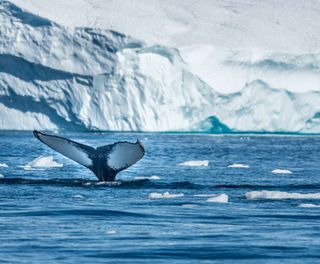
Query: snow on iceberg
pixel 53 77
pixel 277 195
pixel 195 163
pixel 42 162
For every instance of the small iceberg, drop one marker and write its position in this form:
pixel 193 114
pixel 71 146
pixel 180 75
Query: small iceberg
pixel 309 205
pixel 219 198
pixel 277 195
pixel 165 195
pixel 238 165
pixel 42 162
pixel 3 165
pixel 281 171
pixel 195 163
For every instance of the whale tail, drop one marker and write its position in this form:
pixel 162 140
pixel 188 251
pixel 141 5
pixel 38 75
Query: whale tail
pixel 105 161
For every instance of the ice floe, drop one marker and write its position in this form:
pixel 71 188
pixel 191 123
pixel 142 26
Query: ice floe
pixel 238 165
pixel 219 198
pixel 153 177
pixel 190 205
pixel 195 163
pixel 307 205
pixel 277 195
pixel 281 171
pixel 165 195
pixel 3 165
pixel 42 162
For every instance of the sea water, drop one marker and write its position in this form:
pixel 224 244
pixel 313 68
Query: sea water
pixel 233 210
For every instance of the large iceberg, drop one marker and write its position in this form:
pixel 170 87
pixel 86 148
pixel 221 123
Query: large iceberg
pixel 55 77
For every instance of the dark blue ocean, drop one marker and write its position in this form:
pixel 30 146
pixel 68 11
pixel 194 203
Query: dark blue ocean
pixel 63 215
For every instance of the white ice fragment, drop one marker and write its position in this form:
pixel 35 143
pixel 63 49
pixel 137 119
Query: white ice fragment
pixel 281 171
pixel 220 198
pixel 42 162
pixel 1 176
pixel 166 195
pixel 78 196
pixel 238 165
pixel 111 232
pixel 190 205
pixel 195 163
pixel 3 165
pixel 277 195
pixel 307 205
pixel 153 177
pixel 205 195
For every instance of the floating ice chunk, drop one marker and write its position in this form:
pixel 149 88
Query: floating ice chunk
pixel 238 165
pixel 205 195
pixel 190 205
pixel 153 177
pixel 219 198
pixel 3 165
pixel 195 163
pixel 281 171
pixel 108 183
pixel 42 162
pixel 167 195
pixel 309 205
pixel 1 176
pixel 111 232
pixel 276 195
pixel 78 196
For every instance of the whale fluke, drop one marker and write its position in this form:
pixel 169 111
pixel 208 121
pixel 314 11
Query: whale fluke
pixel 105 161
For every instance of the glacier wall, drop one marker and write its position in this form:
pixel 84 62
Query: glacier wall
pixel 53 77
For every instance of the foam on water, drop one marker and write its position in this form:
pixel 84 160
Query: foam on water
pixel 195 163
pixel 165 195
pixel 307 205
pixel 42 162
pixel 220 198
pixel 277 195
pixel 111 232
pixel 3 165
pixel 78 196
pixel 281 171
pixel 238 165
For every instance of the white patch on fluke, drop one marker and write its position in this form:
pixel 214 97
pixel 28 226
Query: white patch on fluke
pixel 165 195
pixel 195 163
pixel 124 154
pixel 238 165
pixel 281 171
pixel 66 148
pixel 219 198
pixel 3 165
pixel 42 162
pixel 277 195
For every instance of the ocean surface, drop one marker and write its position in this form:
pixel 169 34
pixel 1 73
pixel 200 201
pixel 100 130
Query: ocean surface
pixel 264 208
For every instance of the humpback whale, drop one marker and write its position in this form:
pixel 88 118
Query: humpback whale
pixel 105 161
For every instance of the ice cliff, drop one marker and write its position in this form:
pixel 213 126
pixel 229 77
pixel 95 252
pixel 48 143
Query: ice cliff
pixel 54 77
